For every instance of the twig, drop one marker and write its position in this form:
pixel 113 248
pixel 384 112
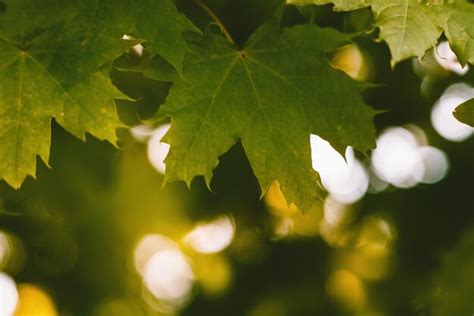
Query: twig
pixel 216 19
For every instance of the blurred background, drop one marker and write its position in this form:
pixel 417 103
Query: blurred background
pixel 98 233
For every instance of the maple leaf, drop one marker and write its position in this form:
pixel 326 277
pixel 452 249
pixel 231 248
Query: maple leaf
pixel 21 18
pixel 160 23
pixel 459 29
pixel 410 27
pixel 156 21
pixel 53 75
pixel 52 53
pixel 465 112
pixel 271 95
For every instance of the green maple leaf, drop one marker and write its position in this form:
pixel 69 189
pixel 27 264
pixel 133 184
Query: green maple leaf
pixel 271 95
pixel 163 26
pixel 50 67
pixel 465 112
pixel 410 27
pixel 156 21
pixel 53 75
pixel 22 17
pixel 459 29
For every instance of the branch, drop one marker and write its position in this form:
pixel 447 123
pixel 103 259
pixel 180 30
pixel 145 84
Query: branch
pixel 216 19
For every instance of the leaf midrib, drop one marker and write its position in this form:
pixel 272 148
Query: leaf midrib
pixel 405 16
pixel 211 105
pixel 23 54
pixel 19 110
pixel 257 96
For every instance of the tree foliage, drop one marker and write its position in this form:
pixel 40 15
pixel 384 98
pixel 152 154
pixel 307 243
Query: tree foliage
pixel 411 27
pixel 87 88
pixel 271 94
pixel 465 112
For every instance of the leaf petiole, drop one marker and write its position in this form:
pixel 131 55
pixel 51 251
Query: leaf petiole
pixel 216 19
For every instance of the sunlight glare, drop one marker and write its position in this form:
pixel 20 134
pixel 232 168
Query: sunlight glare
pixel 157 150
pixel 5 251
pixel 148 246
pixel 169 277
pixel 34 301
pixel 371 257
pixel 346 288
pixel 8 295
pixel 442 113
pixel 12 253
pixel 346 181
pixel 213 236
pixel 277 203
pixel 167 273
pixel 283 227
pixel 138 49
pixel 335 213
pixel 436 164
pixel 396 159
pixel 375 231
pixel 334 228
pixel 352 61
pixel 404 159
pixel 447 59
pixel 308 224
pixel 376 184
pixel 214 274
pixel 141 133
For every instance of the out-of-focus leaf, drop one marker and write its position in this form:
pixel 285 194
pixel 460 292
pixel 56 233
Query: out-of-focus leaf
pixel 454 283
pixel 465 112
